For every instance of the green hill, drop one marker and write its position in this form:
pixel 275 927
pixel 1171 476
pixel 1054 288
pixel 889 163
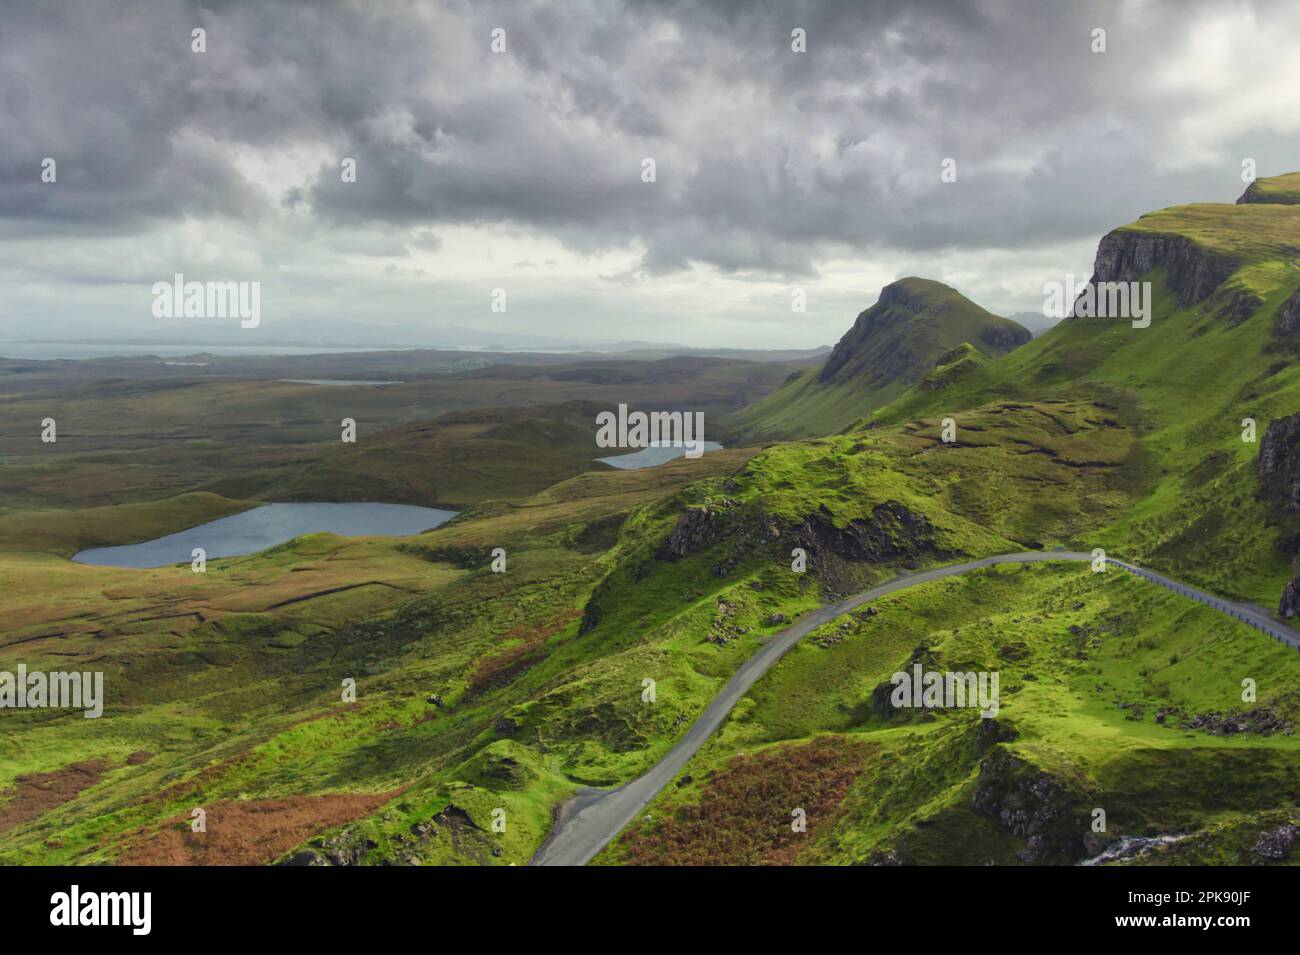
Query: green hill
pixel 1283 190
pixel 893 344
pixel 1220 348
pixel 481 691
pixel 1120 708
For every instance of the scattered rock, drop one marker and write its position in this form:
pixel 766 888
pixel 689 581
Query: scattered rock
pixel 1277 843
pixel 697 529
pixel 305 857
pixel 1125 848
pixel 1259 721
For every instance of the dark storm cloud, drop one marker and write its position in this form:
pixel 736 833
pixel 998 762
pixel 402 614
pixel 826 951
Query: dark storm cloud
pixel 767 160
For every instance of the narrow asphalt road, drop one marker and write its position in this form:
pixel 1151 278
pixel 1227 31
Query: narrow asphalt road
pixel 586 823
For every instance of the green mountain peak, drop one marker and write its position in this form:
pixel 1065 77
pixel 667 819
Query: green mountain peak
pixel 892 345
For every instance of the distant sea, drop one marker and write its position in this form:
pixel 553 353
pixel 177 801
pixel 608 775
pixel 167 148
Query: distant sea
pixel 49 351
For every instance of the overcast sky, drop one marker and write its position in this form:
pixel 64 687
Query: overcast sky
pixel 522 170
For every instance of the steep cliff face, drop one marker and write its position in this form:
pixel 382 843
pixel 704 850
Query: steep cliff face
pixel 1193 273
pixel 1287 321
pixel 1278 465
pixel 1278 468
pixel 1003 338
pixel 912 323
pixel 891 346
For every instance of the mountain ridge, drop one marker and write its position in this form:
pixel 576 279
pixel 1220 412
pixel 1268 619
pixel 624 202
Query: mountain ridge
pixel 891 345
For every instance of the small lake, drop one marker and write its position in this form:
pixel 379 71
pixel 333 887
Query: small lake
pixel 653 455
pixel 251 531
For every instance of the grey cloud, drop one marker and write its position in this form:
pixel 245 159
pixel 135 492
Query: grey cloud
pixel 769 162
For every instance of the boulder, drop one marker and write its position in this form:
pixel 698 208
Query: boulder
pixel 1276 844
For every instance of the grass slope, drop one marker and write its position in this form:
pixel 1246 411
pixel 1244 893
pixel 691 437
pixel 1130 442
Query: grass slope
pixel 1100 673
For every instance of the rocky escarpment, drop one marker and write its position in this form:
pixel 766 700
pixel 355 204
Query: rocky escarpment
pixel 1278 465
pixel 892 534
pixel 1278 469
pixel 733 534
pixel 1276 844
pixel 891 309
pixel 841 555
pixel 1033 805
pixel 1004 338
pixel 1192 273
pixel 1259 191
pixel 1287 320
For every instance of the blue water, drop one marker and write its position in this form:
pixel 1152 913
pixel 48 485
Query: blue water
pixel 653 455
pixel 250 531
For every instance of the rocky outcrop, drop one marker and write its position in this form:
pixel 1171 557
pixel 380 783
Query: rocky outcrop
pixel 1236 305
pixel 697 529
pixel 990 732
pixel 591 617
pixel 867 325
pixel 1255 193
pixel 1287 320
pixel 1031 804
pixel 1276 844
pixel 1005 338
pixel 893 533
pixel 1278 465
pixel 1260 721
pixel 1192 273
pixel 1278 469
pixel 346 847
pixel 1289 605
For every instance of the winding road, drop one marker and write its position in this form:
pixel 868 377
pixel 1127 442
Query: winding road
pixel 586 823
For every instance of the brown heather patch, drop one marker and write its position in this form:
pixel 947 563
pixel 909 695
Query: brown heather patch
pixel 502 667
pixel 252 832
pixel 196 782
pixel 35 793
pixel 743 814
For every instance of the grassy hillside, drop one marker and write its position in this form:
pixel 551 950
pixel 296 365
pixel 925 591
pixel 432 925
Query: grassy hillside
pixel 1103 679
pixel 477 690
pixel 1187 381
pixel 1282 190
pixel 893 344
pixel 481 692
pixel 223 689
